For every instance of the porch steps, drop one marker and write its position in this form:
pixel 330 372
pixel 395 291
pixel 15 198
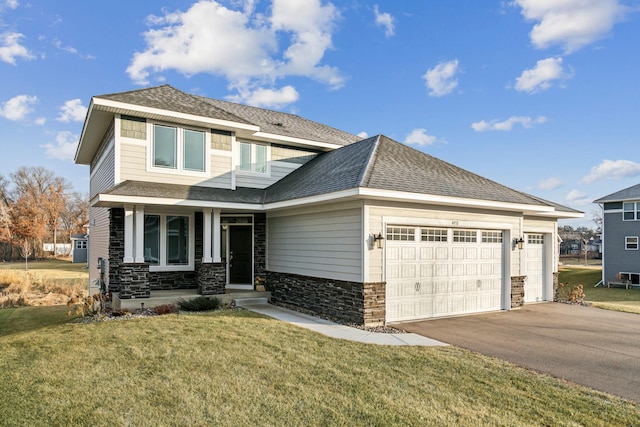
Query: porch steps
pixel 171 297
pixel 242 302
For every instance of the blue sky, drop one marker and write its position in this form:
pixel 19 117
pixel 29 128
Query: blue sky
pixel 540 95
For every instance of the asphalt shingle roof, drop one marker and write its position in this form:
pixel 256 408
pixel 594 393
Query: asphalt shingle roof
pixel 630 193
pixel 166 97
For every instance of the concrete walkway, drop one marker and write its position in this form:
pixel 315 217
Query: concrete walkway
pixel 334 330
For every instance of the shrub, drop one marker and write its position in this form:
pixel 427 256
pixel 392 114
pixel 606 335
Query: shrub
pixel 199 304
pixel 165 309
pixel 574 294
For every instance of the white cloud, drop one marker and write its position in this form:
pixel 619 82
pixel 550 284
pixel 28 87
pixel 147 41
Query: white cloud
pixel 420 137
pixel 574 195
pixel 72 111
pixel 64 148
pixel 11 49
pixel 40 121
pixel 385 20
pixel 18 107
pixel 363 135
pixel 12 4
pixel 613 169
pixel 507 125
pixel 541 76
pixel 571 24
pixel 241 45
pixel 269 98
pixel 441 78
pixel 550 183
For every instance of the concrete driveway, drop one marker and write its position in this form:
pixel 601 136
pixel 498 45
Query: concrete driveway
pixel 593 347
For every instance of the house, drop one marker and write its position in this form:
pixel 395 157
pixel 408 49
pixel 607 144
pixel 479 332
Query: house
pixel 620 234
pixel 195 193
pixel 79 247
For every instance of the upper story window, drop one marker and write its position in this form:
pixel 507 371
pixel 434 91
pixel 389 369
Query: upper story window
pixel 253 158
pixel 631 211
pixel 631 243
pixel 178 149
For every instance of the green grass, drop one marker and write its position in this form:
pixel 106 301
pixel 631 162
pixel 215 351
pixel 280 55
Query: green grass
pixel 236 368
pixel 59 265
pixel 28 319
pixel 618 299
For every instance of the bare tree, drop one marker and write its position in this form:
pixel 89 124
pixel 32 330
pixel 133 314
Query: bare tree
pixel 25 251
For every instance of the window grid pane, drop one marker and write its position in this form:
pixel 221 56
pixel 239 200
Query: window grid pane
pixel 245 156
pixel 465 236
pixel 407 234
pixel 194 150
pixel 261 158
pixel 164 146
pixel 177 240
pixel 631 243
pixel 434 235
pixel 152 239
pixel 492 237
pixel 535 239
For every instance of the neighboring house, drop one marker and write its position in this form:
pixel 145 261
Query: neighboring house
pixel 620 234
pixel 79 247
pixel 191 192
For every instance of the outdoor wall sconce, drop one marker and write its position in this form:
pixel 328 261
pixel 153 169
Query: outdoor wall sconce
pixel 519 243
pixel 378 240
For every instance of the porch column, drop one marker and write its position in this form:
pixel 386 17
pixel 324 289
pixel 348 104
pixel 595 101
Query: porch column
pixel 206 236
pixel 128 234
pixel 216 236
pixel 139 246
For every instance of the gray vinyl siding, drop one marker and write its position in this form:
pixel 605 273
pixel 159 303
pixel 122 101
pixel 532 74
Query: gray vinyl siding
pixel 318 244
pixel 98 240
pixel 103 170
pixel 616 258
pixel 278 171
pixel 133 166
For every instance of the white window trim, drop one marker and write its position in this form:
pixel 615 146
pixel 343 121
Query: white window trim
pixel 179 169
pixel 163 266
pixel 636 209
pixel 626 243
pixel 252 172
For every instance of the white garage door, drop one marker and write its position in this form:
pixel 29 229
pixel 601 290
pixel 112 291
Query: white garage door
pixel 435 272
pixel 534 260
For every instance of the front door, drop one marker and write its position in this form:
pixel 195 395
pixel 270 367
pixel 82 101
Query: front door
pixel 240 255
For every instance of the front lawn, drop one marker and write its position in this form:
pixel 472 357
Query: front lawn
pixel 618 299
pixel 234 367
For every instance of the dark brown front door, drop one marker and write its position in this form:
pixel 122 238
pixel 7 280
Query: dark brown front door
pixel 240 255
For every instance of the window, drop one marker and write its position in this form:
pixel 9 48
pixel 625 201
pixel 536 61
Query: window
pixel 535 239
pixel 492 237
pixel 81 244
pixel 434 235
pixel 167 241
pixel 466 236
pixel 631 243
pixel 401 234
pixel 178 149
pixel 253 157
pixel 631 211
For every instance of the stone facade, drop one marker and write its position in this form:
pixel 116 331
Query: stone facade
pixel 212 278
pixel 134 281
pixel 517 291
pixel 359 303
pixel 260 244
pixel 116 247
pixel 556 284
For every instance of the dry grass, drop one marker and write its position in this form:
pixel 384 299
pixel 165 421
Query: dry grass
pixel 232 368
pixel 50 282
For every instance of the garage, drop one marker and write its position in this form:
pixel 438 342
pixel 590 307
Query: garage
pixel 435 272
pixel 535 267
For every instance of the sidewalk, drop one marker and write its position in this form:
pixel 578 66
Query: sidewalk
pixel 335 330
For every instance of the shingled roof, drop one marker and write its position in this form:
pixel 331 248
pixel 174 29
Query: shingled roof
pixel 384 164
pixel 631 193
pixel 168 98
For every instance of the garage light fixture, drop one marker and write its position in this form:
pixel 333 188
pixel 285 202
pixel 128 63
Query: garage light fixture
pixel 519 243
pixel 378 240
